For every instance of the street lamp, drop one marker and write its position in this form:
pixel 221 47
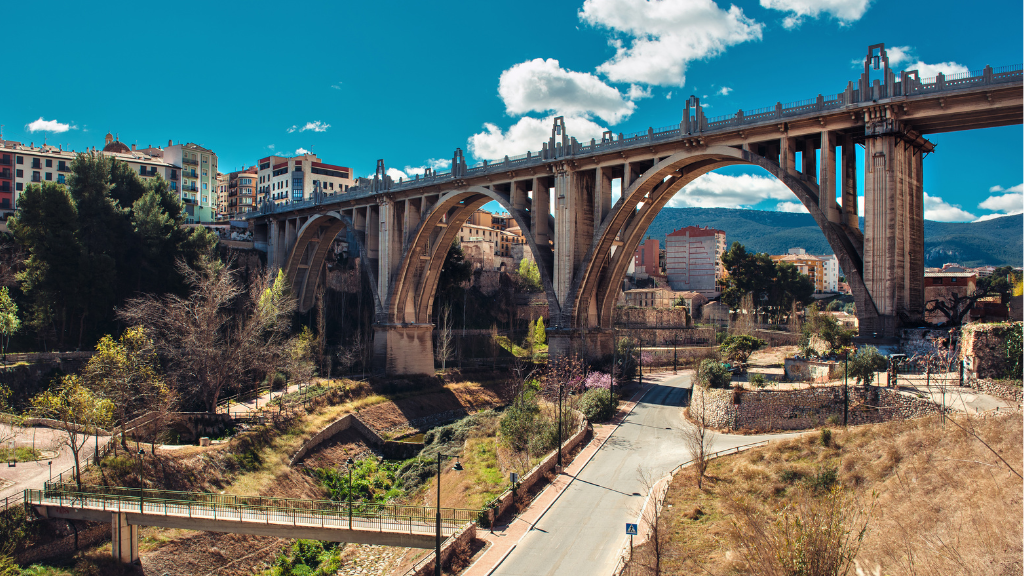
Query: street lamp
pixel 559 426
pixel 350 464
pixel 437 532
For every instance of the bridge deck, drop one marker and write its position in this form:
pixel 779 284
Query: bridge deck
pixel 391 525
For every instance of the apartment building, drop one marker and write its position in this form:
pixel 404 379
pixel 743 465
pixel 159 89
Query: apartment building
pixel 222 196
pixel 197 182
pixel 822 270
pixel 693 259
pixel 282 179
pixel 240 194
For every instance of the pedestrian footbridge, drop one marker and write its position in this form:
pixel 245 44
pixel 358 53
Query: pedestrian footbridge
pixel 326 520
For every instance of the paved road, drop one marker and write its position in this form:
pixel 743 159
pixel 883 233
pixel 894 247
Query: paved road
pixel 583 531
pixel 34 474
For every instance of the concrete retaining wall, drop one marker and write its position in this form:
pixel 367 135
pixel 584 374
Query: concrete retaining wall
pixel 389 448
pixel 460 539
pixel 983 349
pixel 808 408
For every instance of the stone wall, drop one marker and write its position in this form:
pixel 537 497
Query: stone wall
pixel 803 370
pixel 807 408
pixel 923 341
pixel 983 349
pixel 66 545
pixel 1004 391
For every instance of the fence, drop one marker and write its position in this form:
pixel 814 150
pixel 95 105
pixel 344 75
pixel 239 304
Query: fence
pixel 324 513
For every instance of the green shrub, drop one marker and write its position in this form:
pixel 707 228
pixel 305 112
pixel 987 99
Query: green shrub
pixel 1014 351
pixel 596 405
pixel 826 437
pixel 825 479
pixel 757 380
pixel 713 374
pixel 739 348
pixel 865 363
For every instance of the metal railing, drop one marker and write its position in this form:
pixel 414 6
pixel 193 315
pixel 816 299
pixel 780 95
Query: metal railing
pixel 698 126
pixel 255 509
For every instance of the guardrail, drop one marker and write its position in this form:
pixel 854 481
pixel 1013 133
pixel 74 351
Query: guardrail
pixel 261 509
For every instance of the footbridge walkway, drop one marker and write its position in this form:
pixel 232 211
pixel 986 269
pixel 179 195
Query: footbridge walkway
pixel 326 520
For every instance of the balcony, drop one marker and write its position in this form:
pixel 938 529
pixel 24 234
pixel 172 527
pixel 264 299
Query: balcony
pixel 63 168
pixel 189 175
pixel 6 174
pixel 36 165
pixel 190 162
pixel 6 162
pixel 37 179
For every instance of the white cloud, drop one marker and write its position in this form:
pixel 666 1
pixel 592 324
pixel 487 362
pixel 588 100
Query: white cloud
pixel 715 190
pixel 664 37
pixel 301 151
pixel 845 11
pixel 668 96
pixel 395 174
pixel 638 92
pixel 935 208
pixel 433 164
pixel 790 207
pixel 317 126
pixel 41 125
pixel 293 129
pixel 543 86
pixel 271 146
pixel 724 91
pixel 904 58
pixel 526 134
pixel 1010 202
pixel 336 86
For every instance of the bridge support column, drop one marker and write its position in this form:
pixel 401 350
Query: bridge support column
pixel 827 178
pixel 893 232
pixel 403 349
pixel 124 539
pixel 849 174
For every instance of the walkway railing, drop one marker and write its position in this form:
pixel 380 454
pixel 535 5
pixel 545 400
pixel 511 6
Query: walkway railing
pixel 255 509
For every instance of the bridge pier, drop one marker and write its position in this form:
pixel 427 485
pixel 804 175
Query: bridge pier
pixel 124 539
pixel 403 349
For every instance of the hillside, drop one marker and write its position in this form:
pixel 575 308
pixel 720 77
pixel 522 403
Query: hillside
pixel 995 242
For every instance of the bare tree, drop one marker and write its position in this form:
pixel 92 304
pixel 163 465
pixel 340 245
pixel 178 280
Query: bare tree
pixel 445 339
pixel 955 307
pixel 219 335
pixel 78 412
pixel 323 358
pixel 646 560
pixel 699 435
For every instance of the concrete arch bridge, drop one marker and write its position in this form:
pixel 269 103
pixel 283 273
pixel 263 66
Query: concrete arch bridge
pixel 561 198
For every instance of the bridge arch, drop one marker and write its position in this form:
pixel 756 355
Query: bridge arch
pixel 595 286
pixel 415 283
pixel 313 240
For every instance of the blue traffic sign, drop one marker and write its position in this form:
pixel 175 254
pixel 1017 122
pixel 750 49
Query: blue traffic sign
pixel 631 529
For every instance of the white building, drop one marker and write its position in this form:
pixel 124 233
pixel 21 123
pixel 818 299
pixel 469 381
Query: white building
pixel 282 180
pixel 693 259
pixel 830 272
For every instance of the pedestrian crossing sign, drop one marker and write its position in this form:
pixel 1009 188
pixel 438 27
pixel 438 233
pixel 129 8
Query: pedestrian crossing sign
pixel 631 529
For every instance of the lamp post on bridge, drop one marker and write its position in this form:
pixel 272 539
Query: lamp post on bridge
pixel 437 532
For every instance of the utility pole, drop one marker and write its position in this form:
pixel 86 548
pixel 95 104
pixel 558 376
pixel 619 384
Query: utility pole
pixel 846 387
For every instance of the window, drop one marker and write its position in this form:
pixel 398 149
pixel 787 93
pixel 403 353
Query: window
pixel 19 186
pixel 19 160
pixel 35 163
pixel 49 163
pixel 49 176
pixel 60 178
pixel 205 185
pixel 19 173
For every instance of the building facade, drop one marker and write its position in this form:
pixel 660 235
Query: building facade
pixel 646 259
pixel 693 259
pixel 240 195
pixel 942 286
pixel 282 180
pixel 822 270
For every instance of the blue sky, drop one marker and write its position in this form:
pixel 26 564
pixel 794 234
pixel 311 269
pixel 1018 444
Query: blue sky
pixel 411 81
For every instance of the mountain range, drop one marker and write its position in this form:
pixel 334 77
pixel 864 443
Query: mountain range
pixel 995 242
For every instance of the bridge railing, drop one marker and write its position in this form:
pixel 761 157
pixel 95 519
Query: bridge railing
pixel 906 85
pixel 365 515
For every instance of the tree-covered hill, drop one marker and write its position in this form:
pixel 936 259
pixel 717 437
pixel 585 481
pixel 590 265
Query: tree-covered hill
pixel 994 242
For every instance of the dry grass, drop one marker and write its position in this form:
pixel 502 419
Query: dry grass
pixel 941 502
